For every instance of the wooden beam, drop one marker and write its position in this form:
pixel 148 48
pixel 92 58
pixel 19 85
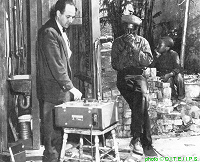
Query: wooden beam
pixel 182 55
pixel 3 77
pixel 35 104
pixel 91 27
pixel 96 48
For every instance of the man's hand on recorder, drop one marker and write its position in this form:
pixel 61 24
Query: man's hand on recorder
pixel 77 94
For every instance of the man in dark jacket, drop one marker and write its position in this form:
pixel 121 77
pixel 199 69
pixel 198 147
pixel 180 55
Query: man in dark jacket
pixel 168 65
pixel 130 55
pixel 54 72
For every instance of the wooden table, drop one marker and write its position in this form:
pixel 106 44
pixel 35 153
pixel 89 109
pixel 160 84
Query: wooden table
pixel 95 133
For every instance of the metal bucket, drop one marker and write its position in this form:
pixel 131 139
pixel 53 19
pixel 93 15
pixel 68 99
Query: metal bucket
pixel 25 127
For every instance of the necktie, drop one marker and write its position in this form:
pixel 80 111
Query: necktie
pixel 64 29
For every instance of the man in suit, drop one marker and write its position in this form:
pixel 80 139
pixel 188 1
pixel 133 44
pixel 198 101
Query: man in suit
pixel 54 82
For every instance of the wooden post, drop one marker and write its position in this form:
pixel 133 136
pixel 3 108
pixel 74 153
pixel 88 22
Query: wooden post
pixel 3 77
pixel 35 104
pixel 182 55
pixel 91 25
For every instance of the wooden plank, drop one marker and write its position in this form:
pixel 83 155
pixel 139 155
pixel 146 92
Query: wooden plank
pixel 24 26
pixel 11 37
pixel 35 104
pixel 91 27
pixel 3 78
pixel 88 131
pixel 14 132
pixel 87 33
pixel 74 37
pixel 94 5
pixel 34 155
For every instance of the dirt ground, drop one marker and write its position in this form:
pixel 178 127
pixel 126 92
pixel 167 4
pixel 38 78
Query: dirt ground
pixel 182 148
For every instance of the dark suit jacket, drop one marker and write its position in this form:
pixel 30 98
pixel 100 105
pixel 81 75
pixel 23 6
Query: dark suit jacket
pixel 53 67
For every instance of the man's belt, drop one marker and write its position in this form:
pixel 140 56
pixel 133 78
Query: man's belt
pixel 131 71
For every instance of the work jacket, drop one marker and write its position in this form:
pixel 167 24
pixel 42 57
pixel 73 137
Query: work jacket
pixel 125 60
pixel 53 67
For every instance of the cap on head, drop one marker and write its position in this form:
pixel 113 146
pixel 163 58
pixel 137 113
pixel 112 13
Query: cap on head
pixel 168 41
pixel 131 20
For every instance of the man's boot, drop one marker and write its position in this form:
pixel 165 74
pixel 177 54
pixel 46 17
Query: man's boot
pixel 50 154
pixel 136 146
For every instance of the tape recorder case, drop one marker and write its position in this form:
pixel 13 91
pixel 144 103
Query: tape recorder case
pixel 78 114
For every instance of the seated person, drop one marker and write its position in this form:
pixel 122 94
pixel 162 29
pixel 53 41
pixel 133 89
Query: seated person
pixel 167 63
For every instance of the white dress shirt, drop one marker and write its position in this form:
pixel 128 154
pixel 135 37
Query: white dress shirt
pixel 64 35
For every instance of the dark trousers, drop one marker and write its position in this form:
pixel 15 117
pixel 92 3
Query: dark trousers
pixel 135 91
pixel 178 86
pixel 51 134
